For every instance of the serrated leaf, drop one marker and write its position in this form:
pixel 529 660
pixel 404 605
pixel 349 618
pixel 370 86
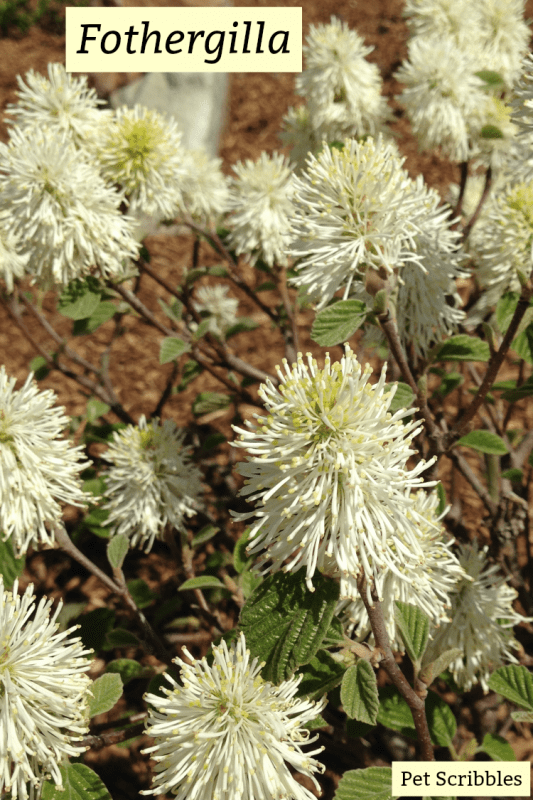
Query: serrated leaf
pixel 117 549
pixel 373 783
pixel 525 390
pixel 173 312
pixel 39 367
pixel 522 716
pixel 201 582
pixel 505 309
pixel 96 409
pixel 10 567
pixel 320 675
pixel 80 298
pixel 102 313
pixel 359 693
pixel 523 344
pixel 484 442
pixel 240 560
pixel 172 348
pixel 430 671
pixel 79 783
pixel 207 533
pixel 119 637
pixel 403 396
pixel 337 323
pixel 127 668
pixel 395 713
pixel 463 348
pixel 515 683
pixel 334 634
pixel 106 692
pixel 497 748
pixel 141 592
pixel 413 626
pixel 249 581
pixel 206 402
pixel 285 624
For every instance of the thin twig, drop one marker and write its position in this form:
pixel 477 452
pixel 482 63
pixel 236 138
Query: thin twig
pixel 464 468
pixel 290 334
pixel 97 742
pixel 477 212
pixel 462 186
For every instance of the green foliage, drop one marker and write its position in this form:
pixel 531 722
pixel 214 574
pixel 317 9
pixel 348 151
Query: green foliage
pixel 240 560
pixel 395 713
pixel 119 637
pixel 413 625
pixel 433 669
pixel 205 535
pixel 285 624
pixel 242 325
pixel 172 348
pixel 117 549
pixel 191 369
pixel 525 390
pixel 320 675
pixel 497 748
pixel 523 344
pixel 441 493
pixel 39 366
pixel 79 782
pixel 249 581
pixel 484 442
pixel 403 396
pixel 141 592
pixel 337 323
pixel 128 669
pixel 515 683
pixel 103 312
pixel 462 348
pixel 206 402
pixel 106 692
pixel 201 582
pixel 491 132
pixel 94 626
pixel 450 381
pixel 10 567
pixel 505 309
pixel 80 298
pixel 359 693
pixel 373 783
pixel 96 409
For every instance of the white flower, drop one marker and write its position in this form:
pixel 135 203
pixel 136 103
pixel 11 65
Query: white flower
pixel 43 694
pixel 328 472
pixel 427 585
pixel 355 209
pixel 61 103
pixel 444 99
pixel 261 204
pixel 522 101
pixel 58 205
pixel 152 482
pixel 495 149
pixel 38 469
pixel 298 134
pixel 12 263
pixel 204 187
pixel 456 18
pixel 141 151
pixel 504 37
pixel 222 309
pixel 482 619
pixel 342 88
pixel 226 734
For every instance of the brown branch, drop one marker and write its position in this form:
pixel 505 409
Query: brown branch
pixel 416 704
pixel 290 334
pixel 477 212
pixel 98 741
pixel 464 468
pixel 462 186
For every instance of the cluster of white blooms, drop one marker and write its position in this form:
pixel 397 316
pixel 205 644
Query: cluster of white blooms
pixel 12 262
pixel 481 621
pixel 43 694
pixel 204 187
pixel 328 472
pixel 523 97
pixel 38 468
pixel 434 578
pixel 222 310
pixel 357 209
pixel 226 734
pixel 152 482
pixel 261 208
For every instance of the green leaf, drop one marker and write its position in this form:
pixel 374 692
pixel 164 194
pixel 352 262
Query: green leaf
pixel 356 729
pixel 497 748
pixel 285 624
pixel 505 309
pixel 102 313
pixel 243 324
pixel 522 716
pixel 201 582
pixel 515 683
pixel 172 348
pixel 441 493
pixel 127 668
pixel 207 533
pixel 202 328
pixel 119 637
pixel 10 567
pixel 515 475
pixel 523 344
pixel 94 626
pixel 413 625
pixel 485 442
pixel 359 693
pixel 491 78
pixel 449 382
pixel 433 669
pixel 96 409
pixel 463 348
pixel 441 721
pixel 206 402
pixel 106 692
pixel 403 397
pixel 491 132
pixel 79 783
pixel 141 592
pixel 189 372
pixel 173 312
pixel 80 298
pixel 525 390
pixel 240 560
pixel 373 783
pixel 316 723
pixel 334 634
pixel 320 675
pixel 117 549
pixel 337 323
pixel 249 581
pixel 394 713
pixel 39 367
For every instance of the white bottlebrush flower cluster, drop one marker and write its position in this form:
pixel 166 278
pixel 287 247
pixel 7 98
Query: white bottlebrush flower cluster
pixel 222 310
pixel 12 262
pixel 44 692
pixel 261 205
pixel 435 577
pixel 481 622
pixel 523 97
pixel 204 187
pixel 328 471
pixel 226 734
pixel 38 468
pixel 152 482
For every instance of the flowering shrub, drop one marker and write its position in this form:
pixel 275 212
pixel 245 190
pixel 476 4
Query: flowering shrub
pixel 340 555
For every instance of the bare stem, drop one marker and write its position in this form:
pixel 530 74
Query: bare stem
pixel 98 741
pixel 477 212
